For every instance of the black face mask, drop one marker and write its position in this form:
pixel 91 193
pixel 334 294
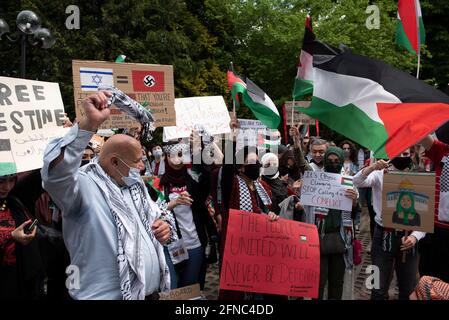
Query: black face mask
pixel 252 170
pixel 402 163
pixel 346 154
pixel 84 162
pixel 320 164
pixel 333 167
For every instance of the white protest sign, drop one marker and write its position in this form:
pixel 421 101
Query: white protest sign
pixel 327 190
pixel 254 133
pixel 210 113
pixel 31 114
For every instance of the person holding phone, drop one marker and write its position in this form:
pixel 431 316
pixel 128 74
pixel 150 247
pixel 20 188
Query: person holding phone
pixel 21 269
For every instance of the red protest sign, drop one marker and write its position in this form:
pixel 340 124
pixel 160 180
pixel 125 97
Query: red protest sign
pixel 148 81
pixel 281 257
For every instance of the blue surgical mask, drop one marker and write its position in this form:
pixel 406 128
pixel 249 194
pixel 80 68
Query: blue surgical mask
pixel 157 153
pixel 133 175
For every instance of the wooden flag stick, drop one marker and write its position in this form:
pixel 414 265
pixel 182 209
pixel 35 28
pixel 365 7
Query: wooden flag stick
pixel 404 253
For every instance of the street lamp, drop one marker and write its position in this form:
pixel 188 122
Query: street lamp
pixel 29 24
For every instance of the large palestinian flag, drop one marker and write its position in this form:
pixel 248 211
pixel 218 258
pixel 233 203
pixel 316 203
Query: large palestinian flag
pixel 410 27
pixel 248 93
pixel 372 103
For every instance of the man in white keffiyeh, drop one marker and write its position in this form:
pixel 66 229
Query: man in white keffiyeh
pixel 112 229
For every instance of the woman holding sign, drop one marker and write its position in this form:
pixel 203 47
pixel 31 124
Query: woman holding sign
pixel 242 190
pixel 336 233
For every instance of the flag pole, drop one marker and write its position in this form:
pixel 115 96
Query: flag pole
pixel 419 64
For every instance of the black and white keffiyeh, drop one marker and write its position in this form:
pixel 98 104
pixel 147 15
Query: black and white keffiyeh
pixel 132 108
pixel 245 196
pixel 129 255
pixel 443 206
pixel 175 148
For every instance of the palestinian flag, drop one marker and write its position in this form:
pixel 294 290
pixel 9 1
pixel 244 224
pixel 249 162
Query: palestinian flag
pixel 410 27
pixel 154 183
pixel 310 46
pixel 370 102
pixel 374 104
pixel 254 98
pixel 347 181
pixel 235 84
pixel 303 82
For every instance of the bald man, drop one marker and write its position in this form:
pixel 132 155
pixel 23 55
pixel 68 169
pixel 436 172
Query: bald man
pixel 112 229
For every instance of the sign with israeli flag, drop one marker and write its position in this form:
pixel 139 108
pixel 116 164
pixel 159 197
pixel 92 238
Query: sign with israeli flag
pixel 91 78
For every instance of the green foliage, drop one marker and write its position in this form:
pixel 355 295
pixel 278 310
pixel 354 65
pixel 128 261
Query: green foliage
pixel 200 37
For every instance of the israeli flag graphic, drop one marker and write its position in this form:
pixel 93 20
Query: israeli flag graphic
pixel 91 78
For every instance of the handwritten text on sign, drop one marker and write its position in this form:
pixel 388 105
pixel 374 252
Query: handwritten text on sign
pixel 209 112
pixel 324 189
pixel 281 257
pixel 31 113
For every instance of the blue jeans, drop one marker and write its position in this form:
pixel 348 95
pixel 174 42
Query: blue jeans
pixel 189 272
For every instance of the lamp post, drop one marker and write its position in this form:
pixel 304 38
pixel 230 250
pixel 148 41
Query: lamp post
pixel 29 24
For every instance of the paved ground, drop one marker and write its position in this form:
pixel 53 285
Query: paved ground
pixel 354 289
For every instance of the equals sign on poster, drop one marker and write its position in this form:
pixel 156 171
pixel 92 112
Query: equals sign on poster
pixel 122 79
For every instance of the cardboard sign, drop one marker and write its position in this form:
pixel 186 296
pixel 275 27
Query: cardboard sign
pixel 298 117
pixel 408 201
pixel 210 113
pixel 281 257
pixel 185 293
pixel 327 190
pixel 31 114
pixel 148 83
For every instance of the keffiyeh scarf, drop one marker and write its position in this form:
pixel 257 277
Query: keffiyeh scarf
pixel 129 255
pixel 132 108
pixel 245 196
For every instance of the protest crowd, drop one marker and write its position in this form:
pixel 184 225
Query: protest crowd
pixel 125 216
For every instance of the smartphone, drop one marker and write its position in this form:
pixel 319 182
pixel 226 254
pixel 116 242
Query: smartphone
pixel 30 228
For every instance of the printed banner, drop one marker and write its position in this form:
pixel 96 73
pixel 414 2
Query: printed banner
pixel 281 257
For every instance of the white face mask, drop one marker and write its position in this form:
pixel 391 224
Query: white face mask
pixel 133 175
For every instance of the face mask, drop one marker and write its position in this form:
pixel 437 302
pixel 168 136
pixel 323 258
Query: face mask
pixel 133 175
pixel 333 167
pixel 402 163
pixel 157 154
pixel 252 170
pixel 84 162
pixel 319 164
pixel 346 154
pixel 144 158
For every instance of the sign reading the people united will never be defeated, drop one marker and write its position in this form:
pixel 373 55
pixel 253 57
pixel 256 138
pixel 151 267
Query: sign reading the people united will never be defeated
pixel 275 257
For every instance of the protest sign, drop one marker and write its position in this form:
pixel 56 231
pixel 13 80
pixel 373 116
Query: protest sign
pixel 327 190
pixel 149 84
pixel 255 133
pixel 209 113
pixel 185 293
pixel 31 114
pixel 298 117
pixel 281 257
pixel 408 201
